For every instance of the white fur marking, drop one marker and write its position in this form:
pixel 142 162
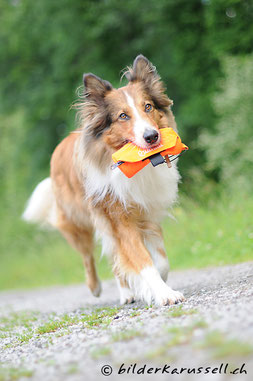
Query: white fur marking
pixel 149 286
pixel 153 243
pixel 126 295
pixel 153 189
pixel 140 124
pixel 41 207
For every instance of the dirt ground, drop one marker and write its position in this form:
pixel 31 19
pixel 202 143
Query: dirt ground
pixel 64 333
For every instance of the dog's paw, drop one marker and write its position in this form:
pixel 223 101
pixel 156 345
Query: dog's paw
pixel 96 291
pixel 149 287
pixel 127 301
pixel 168 297
pixel 126 296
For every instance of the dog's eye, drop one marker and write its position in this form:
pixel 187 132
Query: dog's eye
pixel 148 107
pixel 123 116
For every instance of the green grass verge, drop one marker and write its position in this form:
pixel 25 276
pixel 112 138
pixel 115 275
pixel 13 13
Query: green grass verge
pixel 214 233
pixel 211 232
pixel 34 258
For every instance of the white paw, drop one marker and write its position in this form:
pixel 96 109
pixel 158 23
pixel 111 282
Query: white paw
pixel 126 296
pixel 152 289
pixel 167 297
pixel 127 301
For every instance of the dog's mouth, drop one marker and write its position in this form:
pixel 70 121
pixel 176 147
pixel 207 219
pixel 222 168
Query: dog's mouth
pixel 144 146
pixel 125 142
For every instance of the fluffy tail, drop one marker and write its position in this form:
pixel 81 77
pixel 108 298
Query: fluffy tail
pixel 41 207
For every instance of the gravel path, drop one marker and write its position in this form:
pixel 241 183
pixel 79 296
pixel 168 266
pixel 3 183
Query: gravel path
pixel 64 333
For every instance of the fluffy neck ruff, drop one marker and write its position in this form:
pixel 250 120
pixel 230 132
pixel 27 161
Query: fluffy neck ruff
pixel 152 189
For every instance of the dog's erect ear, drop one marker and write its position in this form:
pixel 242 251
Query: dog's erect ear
pixel 143 71
pixel 95 86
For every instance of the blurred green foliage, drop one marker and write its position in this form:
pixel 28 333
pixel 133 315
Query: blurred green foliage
pixel 229 148
pixel 203 52
pixel 46 46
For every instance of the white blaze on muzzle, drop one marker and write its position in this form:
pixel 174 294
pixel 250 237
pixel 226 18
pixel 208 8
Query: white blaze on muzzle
pixel 140 124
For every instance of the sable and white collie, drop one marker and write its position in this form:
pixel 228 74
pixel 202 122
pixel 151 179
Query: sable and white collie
pixel 83 195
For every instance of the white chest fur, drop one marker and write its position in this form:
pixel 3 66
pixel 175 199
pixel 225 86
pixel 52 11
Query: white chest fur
pixel 153 188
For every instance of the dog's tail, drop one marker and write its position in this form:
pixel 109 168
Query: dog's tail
pixel 41 207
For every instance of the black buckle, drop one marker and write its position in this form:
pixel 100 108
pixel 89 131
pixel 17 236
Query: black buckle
pixel 156 159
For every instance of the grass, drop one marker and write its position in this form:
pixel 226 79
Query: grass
pixel 135 313
pixel 24 320
pixel 176 336
pixel 180 311
pixel 126 335
pixel 59 325
pixel 215 343
pixel 34 258
pixel 12 374
pixel 54 325
pixel 17 319
pixel 99 352
pixel 223 347
pixel 73 369
pixel 212 232
pixel 100 316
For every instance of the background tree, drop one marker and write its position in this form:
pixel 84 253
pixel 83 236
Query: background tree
pixel 47 46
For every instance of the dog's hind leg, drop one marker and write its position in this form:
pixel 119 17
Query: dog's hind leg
pixel 81 239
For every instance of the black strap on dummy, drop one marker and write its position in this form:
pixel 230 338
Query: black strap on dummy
pixel 156 159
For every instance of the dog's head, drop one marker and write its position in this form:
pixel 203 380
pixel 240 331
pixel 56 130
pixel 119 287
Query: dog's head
pixel 112 117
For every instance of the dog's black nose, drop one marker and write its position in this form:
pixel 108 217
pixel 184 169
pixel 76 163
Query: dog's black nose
pixel 151 136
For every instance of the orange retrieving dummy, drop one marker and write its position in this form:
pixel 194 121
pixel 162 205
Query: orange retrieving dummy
pixel 131 159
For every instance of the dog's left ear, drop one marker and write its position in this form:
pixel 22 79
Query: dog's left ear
pixel 144 71
pixel 93 111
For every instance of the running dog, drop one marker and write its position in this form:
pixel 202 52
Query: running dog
pixel 83 195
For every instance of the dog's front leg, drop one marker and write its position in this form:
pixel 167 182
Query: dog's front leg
pixel 135 262
pixel 132 261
